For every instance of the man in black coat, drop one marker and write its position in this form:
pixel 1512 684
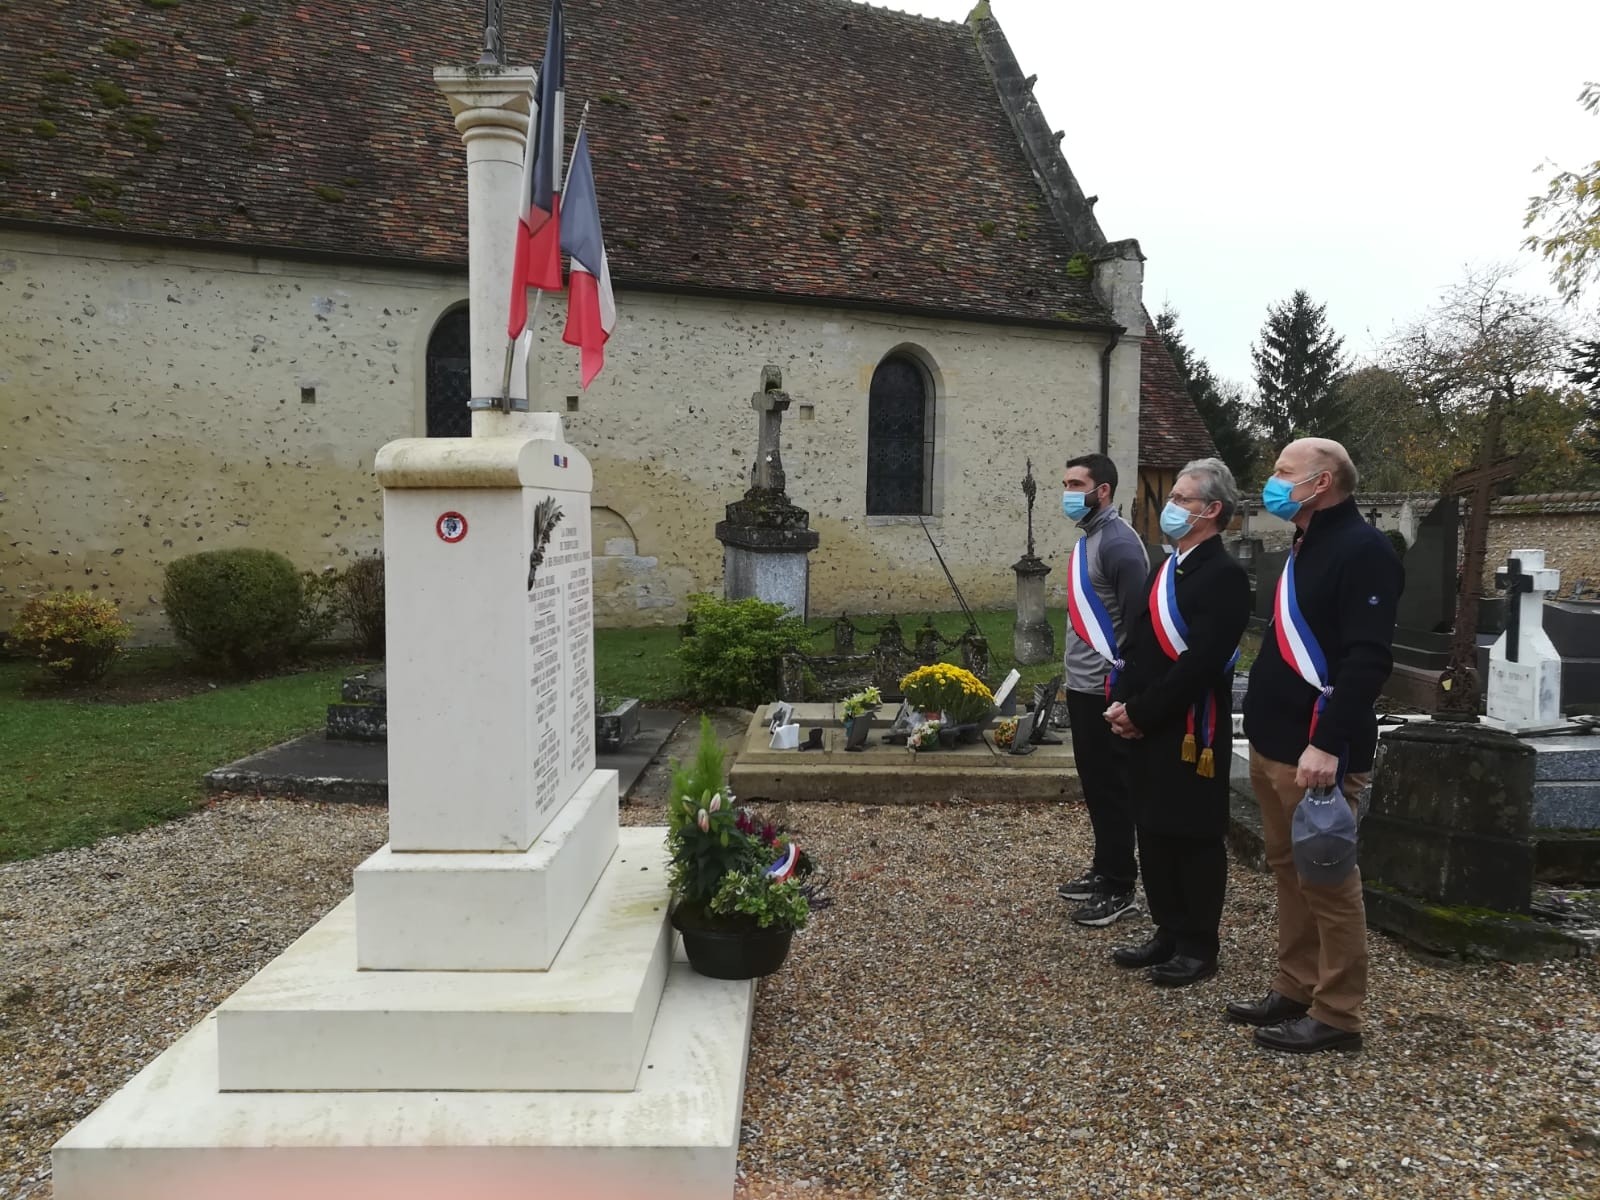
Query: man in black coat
pixel 1173 706
pixel 1347 581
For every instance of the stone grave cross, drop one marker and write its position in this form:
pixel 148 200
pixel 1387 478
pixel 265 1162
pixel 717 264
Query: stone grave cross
pixel 1524 668
pixel 771 402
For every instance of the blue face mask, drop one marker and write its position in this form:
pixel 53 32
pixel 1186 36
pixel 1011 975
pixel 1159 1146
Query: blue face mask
pixel 1074 505
pixel 1176 521
pixel 1275 497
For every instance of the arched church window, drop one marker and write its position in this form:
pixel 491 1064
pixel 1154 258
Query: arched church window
pixel 900 438
pixel 450 375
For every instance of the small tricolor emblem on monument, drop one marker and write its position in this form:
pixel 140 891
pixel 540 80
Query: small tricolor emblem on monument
pixel 559 459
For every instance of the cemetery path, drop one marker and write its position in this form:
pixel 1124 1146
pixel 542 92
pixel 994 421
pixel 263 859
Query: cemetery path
pixel 941 1031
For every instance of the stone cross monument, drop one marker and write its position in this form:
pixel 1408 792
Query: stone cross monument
pixel 766 539
pixel 1524 668
pixel 1032 639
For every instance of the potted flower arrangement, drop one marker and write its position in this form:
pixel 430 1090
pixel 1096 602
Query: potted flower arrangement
pixel 953 694
pixel 859 708
pixel 925 736
pixel 737 895
pixel 1005 733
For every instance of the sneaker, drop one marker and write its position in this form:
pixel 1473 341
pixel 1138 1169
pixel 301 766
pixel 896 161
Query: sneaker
pixel 1085 887
pixel 1106 909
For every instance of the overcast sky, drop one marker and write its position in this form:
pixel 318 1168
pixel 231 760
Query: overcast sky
pixel 1364 151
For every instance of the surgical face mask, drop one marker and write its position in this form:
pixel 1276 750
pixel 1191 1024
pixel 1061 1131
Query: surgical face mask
pixel 1176 521
pixel 1276 500
pixel 1074 505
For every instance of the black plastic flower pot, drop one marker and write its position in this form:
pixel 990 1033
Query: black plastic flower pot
pixel 723 953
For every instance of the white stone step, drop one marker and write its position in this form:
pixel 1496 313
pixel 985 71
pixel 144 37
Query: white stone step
pixel 170 1134
pixel 309 1021
pixel 486 912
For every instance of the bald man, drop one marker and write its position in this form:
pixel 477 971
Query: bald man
pixel 1347 582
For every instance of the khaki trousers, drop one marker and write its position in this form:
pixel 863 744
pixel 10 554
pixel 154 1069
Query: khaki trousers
pixel 1322 931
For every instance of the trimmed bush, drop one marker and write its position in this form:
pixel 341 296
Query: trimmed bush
pixel 239 609
pixel 732 650
pixel 75 636
pixel 361 601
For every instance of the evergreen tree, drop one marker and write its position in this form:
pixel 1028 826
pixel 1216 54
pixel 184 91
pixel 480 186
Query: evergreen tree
pixel 1220 406
pixel 1298 367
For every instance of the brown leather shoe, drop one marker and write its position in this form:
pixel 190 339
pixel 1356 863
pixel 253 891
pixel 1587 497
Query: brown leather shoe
pixel 1271 1010
pixel 1306 1035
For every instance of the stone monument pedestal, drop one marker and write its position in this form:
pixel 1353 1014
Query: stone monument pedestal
pixel 767 540
pixel 1032 639
pixel 499 999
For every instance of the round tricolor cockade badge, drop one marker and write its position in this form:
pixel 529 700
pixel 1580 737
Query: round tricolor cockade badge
pixel 451 527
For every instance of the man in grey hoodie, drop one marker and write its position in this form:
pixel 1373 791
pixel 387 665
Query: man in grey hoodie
pixel 1105 575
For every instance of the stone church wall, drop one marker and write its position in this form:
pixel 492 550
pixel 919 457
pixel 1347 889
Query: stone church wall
pixel 159 401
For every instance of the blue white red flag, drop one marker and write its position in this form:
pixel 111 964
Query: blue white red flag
pixel 591 307
pixel 536 261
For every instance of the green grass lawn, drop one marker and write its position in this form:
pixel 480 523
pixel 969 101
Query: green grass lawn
pixel 74 770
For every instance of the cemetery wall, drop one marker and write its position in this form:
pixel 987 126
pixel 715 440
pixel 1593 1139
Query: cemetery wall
pixel 1566 526
pixel 159 401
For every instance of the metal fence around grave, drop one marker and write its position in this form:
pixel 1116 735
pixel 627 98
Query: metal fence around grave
pixel 810 676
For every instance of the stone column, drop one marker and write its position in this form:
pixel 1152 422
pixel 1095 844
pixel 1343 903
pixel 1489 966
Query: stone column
pixel 490 106
pixel 1032 639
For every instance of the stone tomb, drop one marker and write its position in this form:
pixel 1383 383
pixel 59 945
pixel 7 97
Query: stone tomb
pixel 885 774
pixel 500 999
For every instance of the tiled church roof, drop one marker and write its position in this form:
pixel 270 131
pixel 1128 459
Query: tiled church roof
pixel 815 149
pixel 1171 432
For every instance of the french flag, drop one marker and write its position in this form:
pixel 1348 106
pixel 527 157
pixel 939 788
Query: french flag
pixel 591 308
pixel 537 257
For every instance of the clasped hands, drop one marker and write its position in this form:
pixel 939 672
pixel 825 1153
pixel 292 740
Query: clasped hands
pixel 1121 725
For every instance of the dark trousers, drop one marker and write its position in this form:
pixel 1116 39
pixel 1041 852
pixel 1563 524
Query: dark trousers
pixel 1185 879
pixel 1104 790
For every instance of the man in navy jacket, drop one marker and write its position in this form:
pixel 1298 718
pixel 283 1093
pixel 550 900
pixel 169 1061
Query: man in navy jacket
pixel 1347 582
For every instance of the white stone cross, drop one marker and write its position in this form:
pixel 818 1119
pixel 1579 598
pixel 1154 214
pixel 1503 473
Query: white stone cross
pixel 1524 669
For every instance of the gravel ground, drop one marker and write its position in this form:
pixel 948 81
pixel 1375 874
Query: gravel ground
pixel 941 1031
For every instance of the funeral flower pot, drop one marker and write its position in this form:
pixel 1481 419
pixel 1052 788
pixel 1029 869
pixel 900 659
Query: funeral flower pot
pixel 855 731
pixel 723 948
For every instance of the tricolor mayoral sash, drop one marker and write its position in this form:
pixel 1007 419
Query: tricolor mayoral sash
pixel 1087 613
pixel 1298 644
pixel 1172 632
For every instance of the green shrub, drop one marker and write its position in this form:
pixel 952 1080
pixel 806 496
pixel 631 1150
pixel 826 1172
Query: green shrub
pixel 1398 541
pixel 732 649
pixel 240 609
pixel 73 635
pixel 320 607
pixel 361 600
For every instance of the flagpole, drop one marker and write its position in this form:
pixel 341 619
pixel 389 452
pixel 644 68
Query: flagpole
pixel 538 293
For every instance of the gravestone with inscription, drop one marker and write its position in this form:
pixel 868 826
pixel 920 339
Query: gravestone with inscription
pixel 1524 669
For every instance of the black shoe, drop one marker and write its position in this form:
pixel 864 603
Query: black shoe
pixel 1306 1035
pixel 1106 910
pixel 1085 887
pixel 1147 954
pixel 1182 970
pixel 1271 1010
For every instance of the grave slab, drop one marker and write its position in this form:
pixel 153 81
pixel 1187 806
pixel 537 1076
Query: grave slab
pixel 885 774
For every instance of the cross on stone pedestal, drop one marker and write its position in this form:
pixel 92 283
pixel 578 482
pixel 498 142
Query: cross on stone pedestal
pixel 1524 668
pixel 1458 684
pixel 771 402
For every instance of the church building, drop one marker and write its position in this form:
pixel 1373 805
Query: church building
pixel 233 265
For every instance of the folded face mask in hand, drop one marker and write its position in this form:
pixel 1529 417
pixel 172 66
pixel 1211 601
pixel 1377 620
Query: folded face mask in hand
pixel 1323 837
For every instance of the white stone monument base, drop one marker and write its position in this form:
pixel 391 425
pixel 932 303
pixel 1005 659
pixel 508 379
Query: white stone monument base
pixel 330 1052
pixel 170 1135
pixel 776 576
pixel 309 1022
pixel 486 912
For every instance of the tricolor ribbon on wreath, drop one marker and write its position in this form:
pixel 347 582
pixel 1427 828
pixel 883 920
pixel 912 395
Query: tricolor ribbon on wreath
pixel 1172 632
pixel 1088 615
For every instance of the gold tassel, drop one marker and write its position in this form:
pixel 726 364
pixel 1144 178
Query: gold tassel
pixel 1208 764
pixel 1188 747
